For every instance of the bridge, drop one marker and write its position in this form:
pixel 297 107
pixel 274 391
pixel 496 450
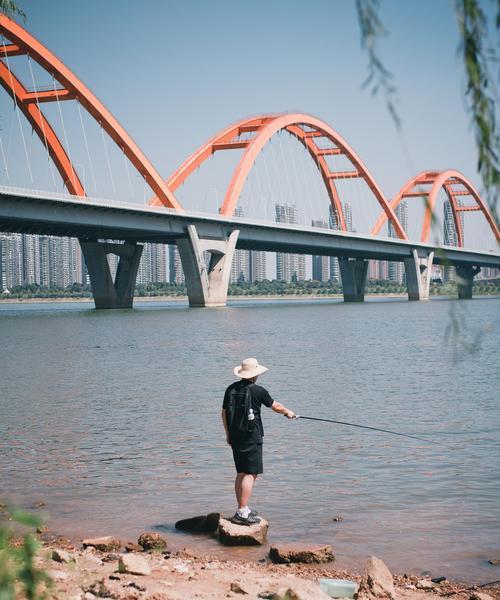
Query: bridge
pixel 164 220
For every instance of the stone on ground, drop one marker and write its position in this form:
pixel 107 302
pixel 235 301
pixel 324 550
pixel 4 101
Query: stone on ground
pixel 231 534
pixel 201 524
pixel 377 581
pixel 133 547
pixel 301 553
pixel 135 564
pixel 480 596
pixel 61 556
pixel 236 588
pixel 426 584
pixel 105 544
pixel 301 590
pixel 152 541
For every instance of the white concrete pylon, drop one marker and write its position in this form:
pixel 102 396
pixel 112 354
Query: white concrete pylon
pixel 206 286
pixel 418 275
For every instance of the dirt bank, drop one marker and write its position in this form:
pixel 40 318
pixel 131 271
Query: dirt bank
pixel 184 575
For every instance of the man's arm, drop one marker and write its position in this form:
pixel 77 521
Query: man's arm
pixel 224 422
pixel 282 410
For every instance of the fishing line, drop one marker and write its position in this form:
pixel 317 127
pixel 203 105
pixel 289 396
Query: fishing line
pixel 414 437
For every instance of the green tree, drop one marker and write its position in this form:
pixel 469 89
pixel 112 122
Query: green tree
pixel 481 90
pixel 11 9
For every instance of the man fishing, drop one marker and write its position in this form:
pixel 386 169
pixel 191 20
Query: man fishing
pixel 244 432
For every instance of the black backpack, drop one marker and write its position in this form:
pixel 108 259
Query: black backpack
pixel 239 409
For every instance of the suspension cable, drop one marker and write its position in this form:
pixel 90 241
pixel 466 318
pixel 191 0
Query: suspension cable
pixel 4 159
pixel 17 110
pixel 125 160
pixel 85 141
pixel 64 131
pixel 108 162
pixel 46 144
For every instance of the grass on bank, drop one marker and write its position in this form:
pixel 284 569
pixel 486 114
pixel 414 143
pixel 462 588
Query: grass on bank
pixel 261 288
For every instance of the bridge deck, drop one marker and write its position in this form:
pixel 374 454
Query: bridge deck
pixel 31 212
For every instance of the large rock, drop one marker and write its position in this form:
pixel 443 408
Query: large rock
pixel 152 541
pixel 201 524
pixel 377 581
pixel 135 564
pixel 301 553
pixel 105 544
pixel 231 534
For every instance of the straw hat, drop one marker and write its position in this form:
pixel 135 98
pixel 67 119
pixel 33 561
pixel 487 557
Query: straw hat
pixel 249 368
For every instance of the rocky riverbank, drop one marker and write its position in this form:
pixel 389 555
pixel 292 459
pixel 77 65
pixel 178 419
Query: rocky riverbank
pixel 106 568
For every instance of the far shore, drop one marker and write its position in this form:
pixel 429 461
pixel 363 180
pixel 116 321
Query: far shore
pixel 286 297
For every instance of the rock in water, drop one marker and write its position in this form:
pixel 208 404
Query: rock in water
pixel 377 581
pixel 104 544
pixel 231 534
pixel 202 524
pixel 135 564
pixel 301 553
pixel 152 541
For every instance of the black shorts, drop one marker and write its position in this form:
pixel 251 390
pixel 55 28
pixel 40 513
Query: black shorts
pixel 248 459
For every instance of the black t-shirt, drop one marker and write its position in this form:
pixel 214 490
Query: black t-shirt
pixel 260 396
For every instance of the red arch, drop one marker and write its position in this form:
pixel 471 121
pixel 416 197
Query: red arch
pixel 448 180
pixel 267 126
pixel 22 42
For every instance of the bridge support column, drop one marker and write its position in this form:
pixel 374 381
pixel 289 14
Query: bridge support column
pixel 418 275
pixel 353 273
pixel 108 293
pixel 465 280
pixel 206 287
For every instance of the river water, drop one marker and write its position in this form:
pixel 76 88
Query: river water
pixel 112 418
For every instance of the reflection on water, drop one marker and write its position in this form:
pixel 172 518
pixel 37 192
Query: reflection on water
pixel 112 418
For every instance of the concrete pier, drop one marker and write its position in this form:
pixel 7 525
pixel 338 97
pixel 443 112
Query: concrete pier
pixel 108 293
pixel 465 280
pixel 418 275
pixel 353 272
pixel 206 286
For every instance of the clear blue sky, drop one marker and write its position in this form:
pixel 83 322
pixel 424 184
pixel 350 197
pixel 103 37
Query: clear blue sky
pixel 174 72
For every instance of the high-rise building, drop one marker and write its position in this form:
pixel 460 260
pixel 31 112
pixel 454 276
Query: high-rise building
pixel 320 264
pixel 31 259
pixel 153 265
pixel 47 261
pixel 450 237
pixel 257 265
pixel 335 224
pixel 396 271
pixel 12 261
pixel 176 274
pixel 240 267
pixel 289 267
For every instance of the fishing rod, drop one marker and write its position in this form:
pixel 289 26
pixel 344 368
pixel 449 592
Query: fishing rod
pixel 414 437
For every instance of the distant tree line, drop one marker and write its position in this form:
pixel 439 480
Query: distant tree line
pixel 308 287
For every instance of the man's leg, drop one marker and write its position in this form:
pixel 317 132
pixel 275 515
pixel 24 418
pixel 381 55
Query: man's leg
pixel 237 487
pixel 245 489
